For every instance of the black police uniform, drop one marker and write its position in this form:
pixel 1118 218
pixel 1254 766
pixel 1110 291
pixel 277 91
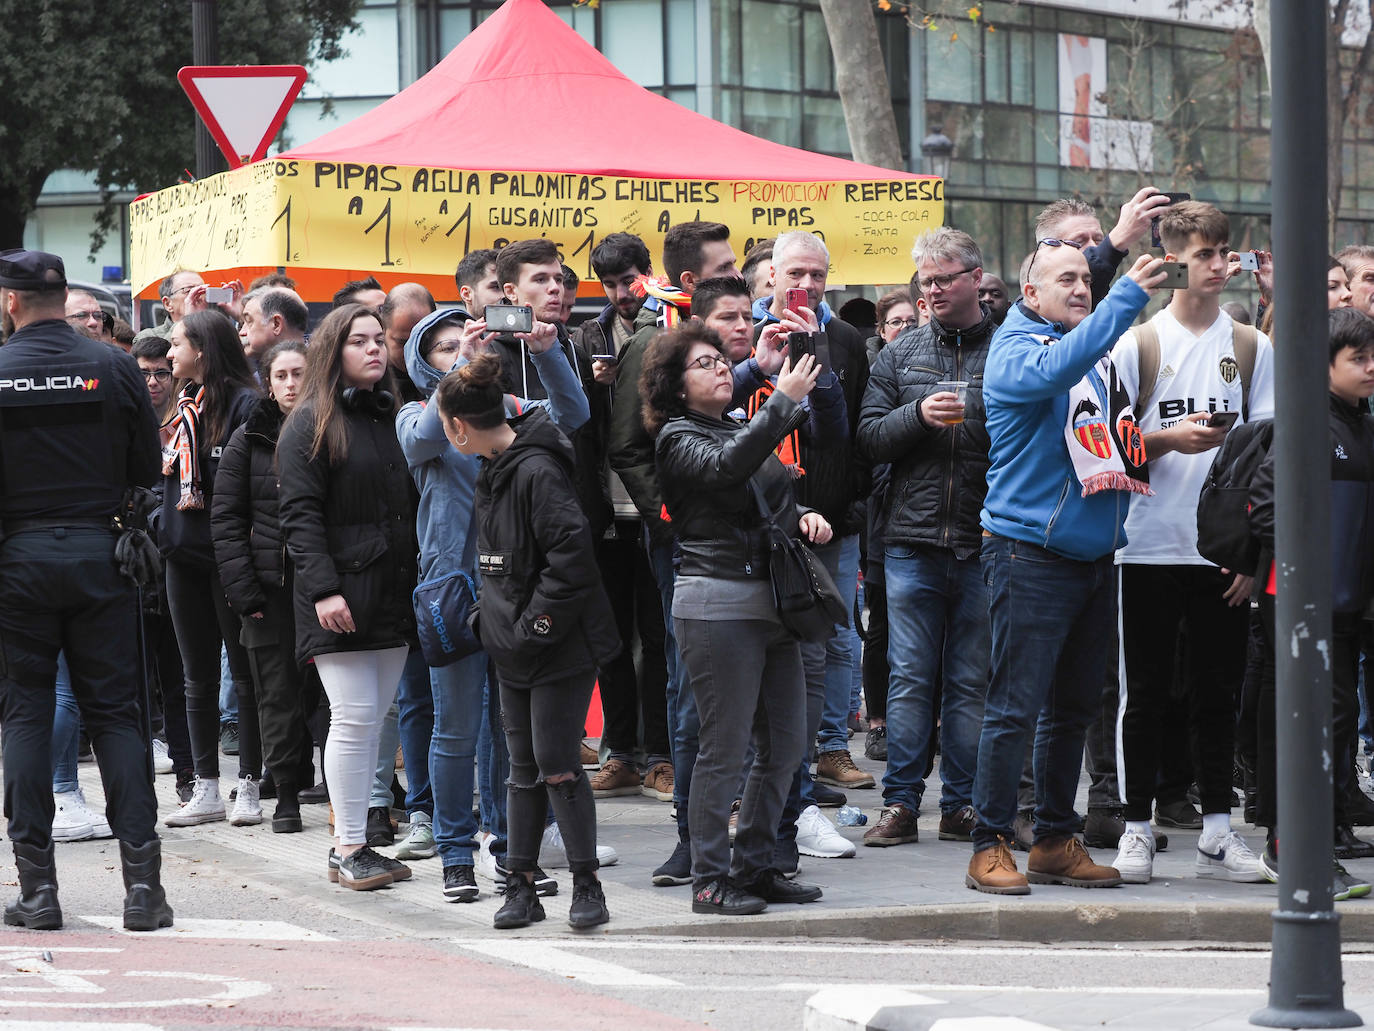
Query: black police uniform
pixel 76 430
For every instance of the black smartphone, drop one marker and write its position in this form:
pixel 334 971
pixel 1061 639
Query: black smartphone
pixel 509 318
pixel 799 344
pixel 1222 420
pixel 1174 198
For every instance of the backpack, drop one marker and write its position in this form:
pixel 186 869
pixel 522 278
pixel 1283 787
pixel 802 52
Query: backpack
pixel 1244 341
pixel 1223 507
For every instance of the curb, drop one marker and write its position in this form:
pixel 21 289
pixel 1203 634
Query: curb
pixel 892 1009
pixel 1027 922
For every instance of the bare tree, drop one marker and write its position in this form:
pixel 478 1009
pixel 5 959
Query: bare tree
pixel 861 78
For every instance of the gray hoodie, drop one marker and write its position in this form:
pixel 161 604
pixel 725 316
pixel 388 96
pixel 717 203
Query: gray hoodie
pixel 447 479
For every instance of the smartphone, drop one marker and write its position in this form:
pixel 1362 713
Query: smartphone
pixel 607 359
pixel 1249 261
pixel 509 318
pixel 799 344
pixel 1222 420
pixel 797 299
pixel 1174 198
pixel 1175 276
pixel 218 295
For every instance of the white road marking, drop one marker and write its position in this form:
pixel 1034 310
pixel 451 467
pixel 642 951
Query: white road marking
pixel 223 930
pixel 562 963
pixel 72 1025
pixel 232 989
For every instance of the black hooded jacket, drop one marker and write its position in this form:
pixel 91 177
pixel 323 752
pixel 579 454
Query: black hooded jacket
pixel 543 613
pixel 245 515
pixel 350 527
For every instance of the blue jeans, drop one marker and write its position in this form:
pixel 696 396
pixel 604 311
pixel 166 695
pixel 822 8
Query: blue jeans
pixel 228 693
pixel 1052 620
pixel 938 644
pixel 684 724
pixel 66 732
pixel 841 558
pixel 457 693
pixel 408 723
pixel 493 763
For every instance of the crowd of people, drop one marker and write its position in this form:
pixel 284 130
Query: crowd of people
pixel 420 535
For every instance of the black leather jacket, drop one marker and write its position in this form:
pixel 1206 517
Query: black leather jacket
pixel 704 466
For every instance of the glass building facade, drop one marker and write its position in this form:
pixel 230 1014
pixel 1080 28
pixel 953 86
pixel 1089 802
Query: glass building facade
pixel 1040 101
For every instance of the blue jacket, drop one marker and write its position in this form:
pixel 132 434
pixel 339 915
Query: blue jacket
pixel 1033 493
pixel 448 479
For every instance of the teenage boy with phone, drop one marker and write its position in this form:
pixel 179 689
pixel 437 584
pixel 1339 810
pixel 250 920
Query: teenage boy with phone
pixel 1196 361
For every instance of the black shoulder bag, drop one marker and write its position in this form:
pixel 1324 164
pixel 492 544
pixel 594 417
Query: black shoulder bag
pixel 808 603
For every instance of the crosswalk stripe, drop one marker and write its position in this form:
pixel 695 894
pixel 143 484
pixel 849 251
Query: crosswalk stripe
pixel 223 930
pixel 567 964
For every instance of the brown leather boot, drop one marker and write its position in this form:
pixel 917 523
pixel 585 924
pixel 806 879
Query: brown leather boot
pixel 1066 861
pixel 993 870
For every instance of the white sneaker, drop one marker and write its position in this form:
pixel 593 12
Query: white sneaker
pixel 483 861
pixel 1228 858
pixel 162 762
pixel 70 818
pixel 1135 858
pixel 100 827
pixel 247 803
pixel 552 853
pixel 205 806
pixel 817 836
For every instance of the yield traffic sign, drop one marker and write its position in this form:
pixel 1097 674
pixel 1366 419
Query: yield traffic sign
pixel 243 106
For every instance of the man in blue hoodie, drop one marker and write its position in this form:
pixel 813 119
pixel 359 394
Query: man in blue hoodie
pixel 1065 457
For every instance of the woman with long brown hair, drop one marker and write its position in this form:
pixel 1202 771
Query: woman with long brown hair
pixel 349 524
pixel 217 395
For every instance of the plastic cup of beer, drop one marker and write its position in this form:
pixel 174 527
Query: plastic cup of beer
pixel 954 386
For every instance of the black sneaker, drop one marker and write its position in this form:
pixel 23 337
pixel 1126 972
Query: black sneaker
pixel 229 739
pixel 1269 861
pixel 287 817
pixel 720 896
pixel 1178 814
pixel 827 797
pixel 544 885
pixel 773 887
pixel 588 902
pixel 318 795
pixel 875 744
pixel 521 907
pixel 379 831
pixel 363 870
pixel 460 884
pixel 678 868
pixel 1350 846
pixel 1344 886
pixel 398 870
pixel 186 785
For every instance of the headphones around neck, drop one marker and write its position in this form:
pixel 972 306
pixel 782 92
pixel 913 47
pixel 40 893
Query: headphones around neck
pixel 369 402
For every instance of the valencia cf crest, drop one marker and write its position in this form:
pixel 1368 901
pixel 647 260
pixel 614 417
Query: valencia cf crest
pixel 1091 429
pixel 1229 369
pixel 1132 440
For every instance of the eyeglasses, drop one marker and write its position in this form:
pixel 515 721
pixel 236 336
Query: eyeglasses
pixel 708 362
pixel 161 375
pixel 901 323
pixel 184 289
pixel 942 282
pixel 1049 243
pixel 85 316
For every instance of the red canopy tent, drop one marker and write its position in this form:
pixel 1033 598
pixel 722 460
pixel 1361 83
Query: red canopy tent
pixel 494 109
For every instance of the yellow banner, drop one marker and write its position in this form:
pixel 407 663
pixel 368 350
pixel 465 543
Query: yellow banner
pixel 421 221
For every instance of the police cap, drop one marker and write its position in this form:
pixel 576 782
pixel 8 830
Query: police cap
pixel 31 270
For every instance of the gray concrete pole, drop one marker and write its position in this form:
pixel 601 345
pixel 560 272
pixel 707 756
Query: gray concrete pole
pixel 1305 985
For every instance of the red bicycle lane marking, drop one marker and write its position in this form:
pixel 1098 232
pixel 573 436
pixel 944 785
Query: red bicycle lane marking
pixel 172 981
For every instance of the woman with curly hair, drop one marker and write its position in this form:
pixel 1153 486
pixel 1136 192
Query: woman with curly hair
pixel 743 667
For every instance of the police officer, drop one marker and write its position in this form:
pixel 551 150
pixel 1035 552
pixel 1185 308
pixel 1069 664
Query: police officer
pixel 76 430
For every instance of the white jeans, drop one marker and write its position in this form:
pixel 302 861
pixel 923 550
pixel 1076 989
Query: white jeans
pixel 361 687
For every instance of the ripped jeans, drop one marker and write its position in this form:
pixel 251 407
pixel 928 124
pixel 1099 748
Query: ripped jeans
pixel 544 736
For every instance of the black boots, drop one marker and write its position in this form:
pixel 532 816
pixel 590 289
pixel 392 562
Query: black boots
pixel 145 903
pixel 36 908
pixel 522 906
pixel 287 817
